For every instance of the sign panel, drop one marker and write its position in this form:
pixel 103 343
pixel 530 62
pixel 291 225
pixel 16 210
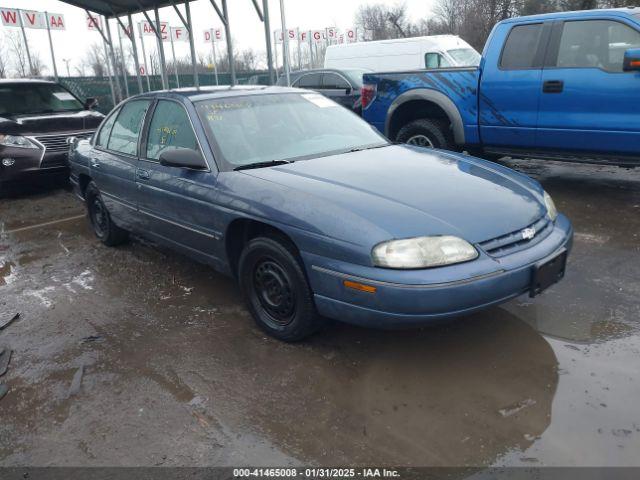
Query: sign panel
pixel 317 36
pixel 124 33
pixel 146 29
pixel 94 22
pixel 179 34
pixel 278 36
pixel 351 35
pixel 331 34
pixel 33 19
pixel 56 21
pixel 292 34
pixel 214 34
pixel 9 17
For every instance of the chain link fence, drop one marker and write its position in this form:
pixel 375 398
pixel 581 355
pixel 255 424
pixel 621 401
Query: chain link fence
pixel 99 87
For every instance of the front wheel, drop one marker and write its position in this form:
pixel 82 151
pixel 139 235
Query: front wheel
pixel 276 289
pixel 426 133
pixel 103 227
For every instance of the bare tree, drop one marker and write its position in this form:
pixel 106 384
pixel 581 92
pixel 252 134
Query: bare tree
pixel 18 53
pixel 95 60
pixel 3 60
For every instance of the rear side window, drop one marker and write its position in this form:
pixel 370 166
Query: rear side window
pixel 331 80
pixel 312 80
pixel 105 130
pixel 126 129
pixel 170 128
pixel 435 60
pixel 521 47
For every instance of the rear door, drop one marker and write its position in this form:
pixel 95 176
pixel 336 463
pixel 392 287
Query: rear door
pixel 115 159
pixel 177 204
pixel 511 85
pixel 338 88
pixel 588 102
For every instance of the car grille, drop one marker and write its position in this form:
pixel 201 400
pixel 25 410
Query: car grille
pixel 514 241
pixel 58 143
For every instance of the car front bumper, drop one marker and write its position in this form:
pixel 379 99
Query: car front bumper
pixel 416 297
pixel 29 161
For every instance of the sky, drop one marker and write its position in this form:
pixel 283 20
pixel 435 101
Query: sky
pixel 247 30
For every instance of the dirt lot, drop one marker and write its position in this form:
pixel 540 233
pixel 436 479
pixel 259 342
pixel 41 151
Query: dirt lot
pixel 175 372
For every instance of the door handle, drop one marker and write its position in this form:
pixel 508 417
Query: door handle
pixel 143 174
pixel 95 163
pixel 553 86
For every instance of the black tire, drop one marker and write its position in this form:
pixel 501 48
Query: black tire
pixel 426 133
pixel 276 290
pixel 107 232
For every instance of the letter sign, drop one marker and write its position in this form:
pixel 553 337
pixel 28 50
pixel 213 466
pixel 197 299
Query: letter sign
pixel 9 17
pixel 33 19
pixel 148 30
pixel 94 22
pixel 56 21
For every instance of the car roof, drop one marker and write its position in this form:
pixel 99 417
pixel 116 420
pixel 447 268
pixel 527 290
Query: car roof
pixel 222 91
pixel 5 81
pixel 621 12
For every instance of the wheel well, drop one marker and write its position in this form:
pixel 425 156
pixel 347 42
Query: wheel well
pixel 414 110
pixel 243 230
pixel 83 182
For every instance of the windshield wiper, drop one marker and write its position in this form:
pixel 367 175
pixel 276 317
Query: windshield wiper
pixel 360 149
pixel 270 163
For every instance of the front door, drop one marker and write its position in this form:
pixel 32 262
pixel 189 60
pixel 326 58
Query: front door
pixel 177 204
pixel 510 88
pixel 588 102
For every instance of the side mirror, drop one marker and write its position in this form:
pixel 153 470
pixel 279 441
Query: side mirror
pixel 183 158
pixel 631 60
pixel 348 90
pixel 90 103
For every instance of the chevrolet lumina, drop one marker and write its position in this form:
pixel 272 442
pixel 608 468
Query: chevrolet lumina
pixel 313 212
pixel 37 118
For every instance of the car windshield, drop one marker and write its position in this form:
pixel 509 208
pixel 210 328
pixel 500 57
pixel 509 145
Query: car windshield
pixel 276 127
pixel 465 57
pixel 26 98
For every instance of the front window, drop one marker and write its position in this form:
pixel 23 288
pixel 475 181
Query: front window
pixel 126 129
pixel 30 98
pixel 465 57
pixel 170 128
pixel 267 128
pixel 596 44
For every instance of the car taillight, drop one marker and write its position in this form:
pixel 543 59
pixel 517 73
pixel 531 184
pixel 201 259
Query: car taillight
pixel 368 94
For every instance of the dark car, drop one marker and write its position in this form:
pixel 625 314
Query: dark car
pixel 314 212
pixel 341 86
pixel 37 119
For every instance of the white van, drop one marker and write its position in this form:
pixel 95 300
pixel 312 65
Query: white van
pixel 416 53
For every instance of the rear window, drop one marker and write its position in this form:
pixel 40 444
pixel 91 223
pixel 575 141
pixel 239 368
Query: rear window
pixel 521 47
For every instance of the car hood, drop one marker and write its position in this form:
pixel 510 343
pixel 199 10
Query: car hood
pixel 35 124
pixel 408 191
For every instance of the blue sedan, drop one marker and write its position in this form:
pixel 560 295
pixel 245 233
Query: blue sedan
pixel 313 212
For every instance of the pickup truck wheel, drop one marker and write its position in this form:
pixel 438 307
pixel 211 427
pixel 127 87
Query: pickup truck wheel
pixel 103 227
pixel 426 133
pixel 276 289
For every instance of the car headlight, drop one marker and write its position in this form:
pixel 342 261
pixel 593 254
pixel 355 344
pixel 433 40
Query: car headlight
pixel 16 141
pixel 551 207
pixel 423 252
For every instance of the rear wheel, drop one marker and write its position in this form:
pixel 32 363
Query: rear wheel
pixel 275 287
pixel 426 133
pixel 103 227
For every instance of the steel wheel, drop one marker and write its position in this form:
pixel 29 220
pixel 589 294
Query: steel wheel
pixel 420 141
pixel 273 288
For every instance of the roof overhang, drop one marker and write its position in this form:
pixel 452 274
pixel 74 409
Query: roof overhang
pixel 116 8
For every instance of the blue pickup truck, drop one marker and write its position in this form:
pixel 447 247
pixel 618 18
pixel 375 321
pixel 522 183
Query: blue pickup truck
pixel 562 85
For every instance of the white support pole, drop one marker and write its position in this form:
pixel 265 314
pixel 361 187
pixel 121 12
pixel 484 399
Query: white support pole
pixel 299 52
pixel 285 44
pixel 106 59
pixel 53 55
pixel 196 80
pixel 26 43
pixel 122 65
pixel 173 54
pixel 144 59
pixel 113 59
pixel 215 60
pixel 136 62
pixel 275 51
pixel 163 63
